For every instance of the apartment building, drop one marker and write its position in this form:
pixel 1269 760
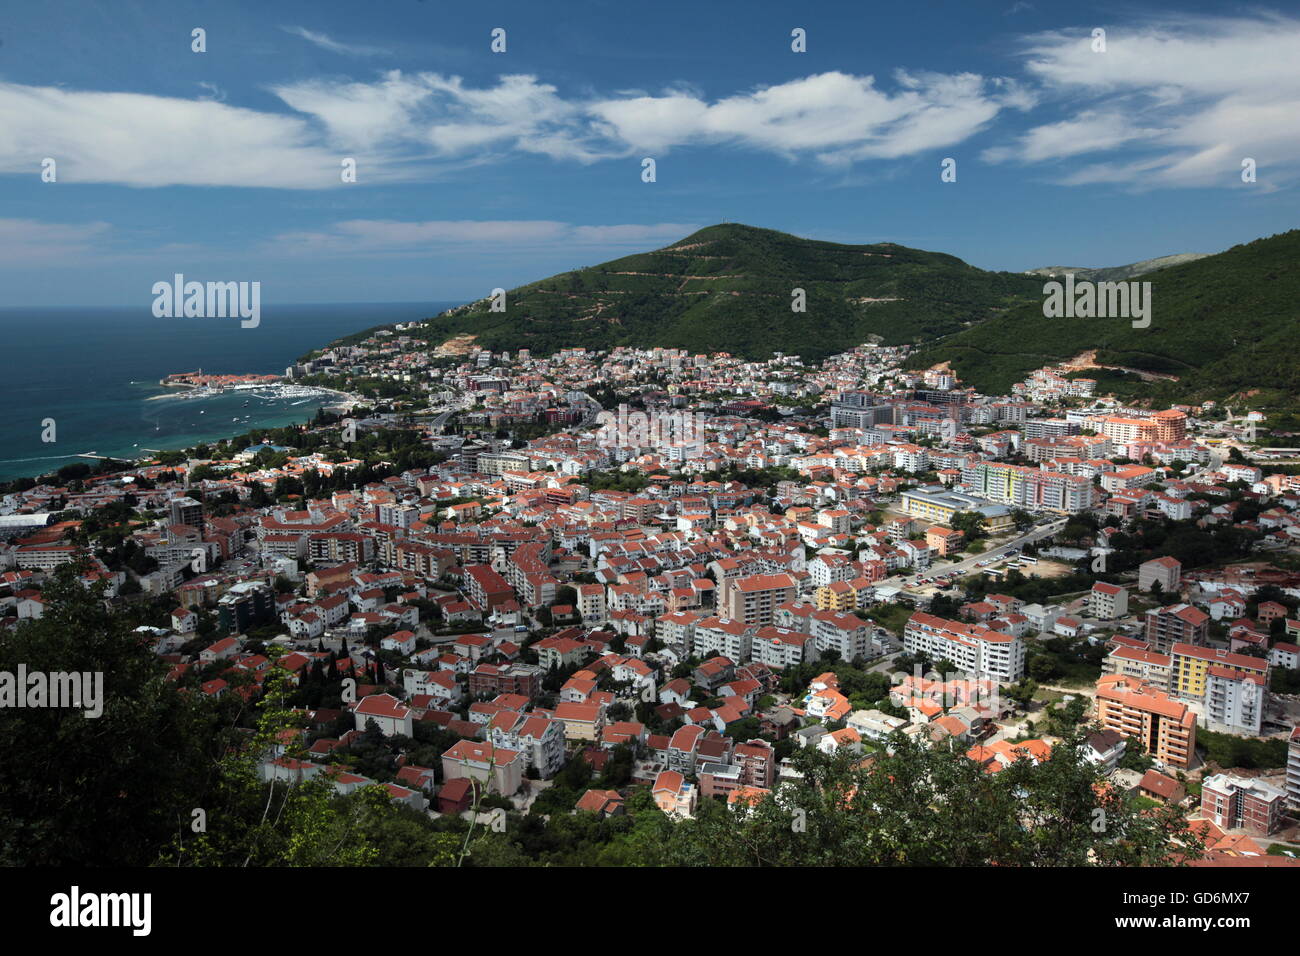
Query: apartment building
pixel 502 769
pixel 1234 700
pixel 727 636
pixel 1107 601
pixel 847 635
pixel 1029 487
pixel 1154 670
pixel 1166 727
pixel 1192 666
pixel 1238 803
pixel 486 588
pixel 974 648
pixel 1175 624
pixel 539 739
pixel 757 762
pixel 1167 572
pixel 780 647
pixel 937 504
pixel 752 600
pixel 1293 769
pixel 516 678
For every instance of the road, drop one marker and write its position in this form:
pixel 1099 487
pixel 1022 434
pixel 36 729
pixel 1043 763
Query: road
pixel 970 564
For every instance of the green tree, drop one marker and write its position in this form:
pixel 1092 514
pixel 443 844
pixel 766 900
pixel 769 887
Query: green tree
pixel 917 804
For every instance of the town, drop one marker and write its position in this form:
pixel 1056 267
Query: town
pixel 592 581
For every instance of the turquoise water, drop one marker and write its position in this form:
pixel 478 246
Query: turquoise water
pixel 94 372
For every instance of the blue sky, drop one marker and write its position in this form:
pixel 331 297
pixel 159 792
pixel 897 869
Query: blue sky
pixel 478 169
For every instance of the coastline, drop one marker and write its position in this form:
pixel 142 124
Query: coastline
pixel 108 407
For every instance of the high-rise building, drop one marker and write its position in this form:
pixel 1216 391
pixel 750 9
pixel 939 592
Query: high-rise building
pixel 1165 727
pixel 752 600
pixel 1293 769
pixel 186 511
pixel 247 605
pixel 1176 624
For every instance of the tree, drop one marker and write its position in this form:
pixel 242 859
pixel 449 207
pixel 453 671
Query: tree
pixel 970 524
pixel 923 805
pixel 96 791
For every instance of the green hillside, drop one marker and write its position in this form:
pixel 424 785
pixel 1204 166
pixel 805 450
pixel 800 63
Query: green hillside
pixel 728 287
pixel 1222 325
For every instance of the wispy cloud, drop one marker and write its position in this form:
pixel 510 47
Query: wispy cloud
pixel 30 240
pixel 1167 104
pixel 1186 102
pixel 334 46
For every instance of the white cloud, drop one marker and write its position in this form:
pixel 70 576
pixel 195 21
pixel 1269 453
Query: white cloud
pixel 28 240
pixel 1172 104
pixel 835 116
pixel 334 46
pixel 139 140
pixel 1186 101
pixel 414 126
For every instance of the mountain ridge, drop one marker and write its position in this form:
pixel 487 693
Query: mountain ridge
pixel 730 287
pixel 1223 324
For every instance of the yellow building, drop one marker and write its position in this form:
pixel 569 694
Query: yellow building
pixel 1191 664
pixel 837 596
pixel 938 505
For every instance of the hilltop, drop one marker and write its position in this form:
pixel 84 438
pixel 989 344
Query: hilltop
pixel 1222 325
pixel 728 288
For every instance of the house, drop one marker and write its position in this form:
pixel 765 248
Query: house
pixel 874 724
pixel 1285 655
pixel 673 795
pixel 222 650
pixel 603 803
pixel 403 642
pixel 502 770
pixel 1157 786
pixel 1104 748
pixel 456 796
pixel 389 714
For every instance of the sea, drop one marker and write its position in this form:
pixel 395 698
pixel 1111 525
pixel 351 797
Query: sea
pixel 95 373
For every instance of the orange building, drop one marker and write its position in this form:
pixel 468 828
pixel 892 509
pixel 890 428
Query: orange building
pixel 1171 425
pixel 944 540
pixel 1166 727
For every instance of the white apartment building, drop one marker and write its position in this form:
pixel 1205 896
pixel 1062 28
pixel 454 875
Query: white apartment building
pixel 973 648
